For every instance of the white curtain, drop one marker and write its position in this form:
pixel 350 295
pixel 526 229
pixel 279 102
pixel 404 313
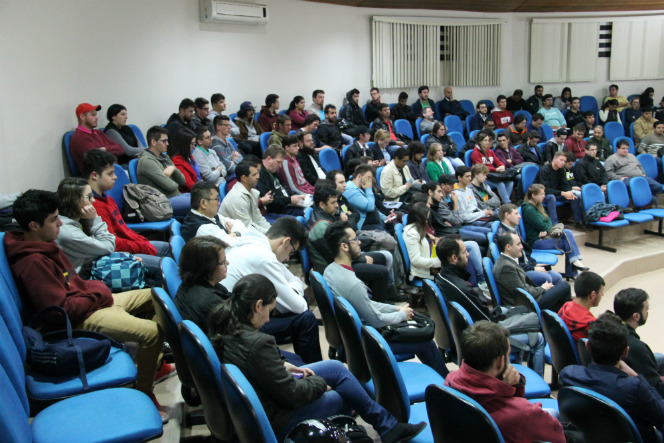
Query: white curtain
pixel 636 49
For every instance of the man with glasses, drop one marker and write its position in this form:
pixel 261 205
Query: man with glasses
pixel 222 145
pixel 589 169
pixel 155 168
pixel 202 111
pixel 211 168
pixel 265 255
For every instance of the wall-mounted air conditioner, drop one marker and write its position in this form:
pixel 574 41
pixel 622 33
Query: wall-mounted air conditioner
pixel 216 11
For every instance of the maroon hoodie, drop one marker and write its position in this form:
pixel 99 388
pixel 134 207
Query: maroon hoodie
pixel 44 276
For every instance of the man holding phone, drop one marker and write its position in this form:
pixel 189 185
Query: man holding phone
pixel 396 180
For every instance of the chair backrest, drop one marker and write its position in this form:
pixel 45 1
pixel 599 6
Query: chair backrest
pixel 398 231
pixel 343 152
pixel 307 212
pixel 548 131
pixel 177 243
pixel 11 318
pixel 495 253
pixel 349 327
pixel 466 158
pixel 364 111
pixel 233 116
pixel 458 138
pixel 170 275
pixel 424 139
pixel 598 417
pixel 256 115
pixel 437 308
pixel 614 144
pixel 176 227
pixel 391 392
pixel 306 263
pixel 617 192
pixel 528 174
pixel 325 301
pixel 402 126
pixel 494 226
pixel 116 191
pixel 561 343
pixel 473 133
pixel 13 365
pixel 467 106
pixel 13 419
pixel 529 117
pixel 589 103
pixel 459 320
pixel 522 226
pixel 584 354
pixel 206 371
pixel 66 140
pixel 591 194
pixel 7 276
pixel 612 130
pixel 489 104
pixel 640 190
pixel 649 165
pixel 263 138
pixel 453 124
pixel 491 280
pixel 378 172
pixel 329 159
pixel 523 298
pixel 417 127
pixel 500 131
pixel 133 170
pixel 139 135
pixel 455 417
pixel 631 130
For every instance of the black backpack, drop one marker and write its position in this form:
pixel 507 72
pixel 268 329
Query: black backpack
pixel 143 203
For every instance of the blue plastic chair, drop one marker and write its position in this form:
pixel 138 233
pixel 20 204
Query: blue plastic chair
pixel 642 196
pixel 613 130
pixel 649 165
pixel 378 172
pixel 176 227
pixel 66 140
pixel 618 196
pixel 548 131
pixel 233 116
pixel 632 150
pixel 631 130
pixel 343 152
pixel 329 159
pixel 133 170
pixel 529 117
pixel 489 104
pixel 500 131
pixel 402 126
pixel 325 301
pixel 453 124
pixel 522 231
pixel 364 111
pixel 437 308
pixel 256 115
pixel 307 212
pixel 170 275
pixel 263 138
pixel 455 417
pixel 306 263
pixel 424 139
pixel 467 106
pixel 528 175
pixel 139 135
pixel 473 133
pixel 591 194
pixel 417 127
pixel 487 264
pixel 392 105
pixel 116 194
pixel 560 341
pixel 398 231
pixel 466 158
pixel 458 138
pixel 589 103
pixel 177 243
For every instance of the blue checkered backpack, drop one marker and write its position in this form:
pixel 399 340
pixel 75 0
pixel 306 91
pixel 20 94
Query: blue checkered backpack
pixel 120 271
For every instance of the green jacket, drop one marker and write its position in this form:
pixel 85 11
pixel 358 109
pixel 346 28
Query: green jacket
pixel 275 138
pixel 150 171
pixel 534 222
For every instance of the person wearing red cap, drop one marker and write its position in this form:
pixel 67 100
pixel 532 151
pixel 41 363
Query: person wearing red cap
pixel 86 137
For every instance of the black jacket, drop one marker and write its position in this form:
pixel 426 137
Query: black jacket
pixel 550 150
pixel 528 155
pixel 371 111
pixel 642 360
pixel 451 107
pixel 590 171
pixel 352 112
pixel 574 118
pixel 270 182
pixel 355 151
pixel 513 105
pixel 195 302
pixel 450 148
pixel 453 283
pixel 402 112
pixel 329 134
pixel 192 222
pixel 554 181
pixel 174 124
pixel 307 167
pixel 379 123
pixel 533 104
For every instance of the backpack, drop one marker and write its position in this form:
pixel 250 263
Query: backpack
pixel 143 203
pixel 601 209
pixel 120 271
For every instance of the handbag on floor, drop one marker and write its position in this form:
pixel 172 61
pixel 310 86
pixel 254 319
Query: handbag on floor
pixel 419 328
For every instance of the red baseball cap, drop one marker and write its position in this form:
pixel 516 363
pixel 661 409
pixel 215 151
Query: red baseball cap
pixel 86 107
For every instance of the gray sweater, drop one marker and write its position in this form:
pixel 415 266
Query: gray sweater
pixel 344 283
pixel 468 207
pixel 618 167
pixel 651 144
pixel 79 247
pixel 131 151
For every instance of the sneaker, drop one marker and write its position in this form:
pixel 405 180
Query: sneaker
pixel 166 370
pixel 484 288
pixel 163 411
pixel 403 432
pixel 409 289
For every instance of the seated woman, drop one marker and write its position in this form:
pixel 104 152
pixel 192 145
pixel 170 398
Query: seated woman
pixel 450 148
pixel 420 243
pixel 379 150
pixel 118 131
pixel 483 154
pixel 565 100
pixel 184 143
pixel 297 113
pixel 538 224
pixel 609 112
pixel 290 394
pixel 437 163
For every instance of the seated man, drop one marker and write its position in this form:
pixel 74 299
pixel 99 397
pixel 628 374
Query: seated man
pixel 184 118
pixel 552 115
pixel 469 209
pixel 248 130
pixel 283 203
pixel 508 154
pixel 402 110
pixel 222 145
pixel 45 277
pixel 653 144
pixel 423 102
pixel 86 138
pixel 632 306
pixel 574 115
pixel 204 217
pixel 373 106
pixel 428 121
pixel 266 255
pixel 476 122
pixel 449 106
pixel 588 292
pixel 509 217
pixel 281 130
pixel 307 158
pixel 343 282
pixel 589 169
pixel 241 202
pixel 360 147
pixel 604 149
pixel 510 276
pixel 501 116
pixel 352 113
pixel 415 165
pixel 517 132
pixel 317 103
pixel 268 114
pixel 290 171
pixel 576 144
pixel 329 133
pixel 624 166
pixel 310 126
pixel 610 376
pixel 536 125
pixel 155 168
pixel 395 180
pixel 383 122
pixel 588 123
pixel 487 376
pixel 218 103
pixel 536 101
pixel 556 144
pixel 530 152
pixel 99 171
pixel 515 102
pixel 202 113
pixel 485 197
pixel 360 196
pixel 643 125
pixel 552 176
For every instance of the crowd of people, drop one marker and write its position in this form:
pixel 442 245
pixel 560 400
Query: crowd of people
pixel 246 210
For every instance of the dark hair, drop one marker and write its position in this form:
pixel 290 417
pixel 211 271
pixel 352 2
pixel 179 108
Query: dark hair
pixel 328 107
pixel 200 102
pixel 274 151
pixel 199 258
pixel 645 109
pixel 309 119
pixel 228 317
pixel 186 103
pixel 335 235
pixel 288 227
pixel 323 191
pixel 243 169
pixel 422 88
pixel 586 283
pixel 657 123
pixel 363 169
pixel 332 175
pixel 270 99
pixel 114 110
pixel 613 86
pixel 417 215
pixel 96 160
pixel 300 136
pixel 538 87
pixel 590 143
pixel 566 89
pixel 607 339
pixel 547 96
pixel 382 106
pixel 282 119
pixel 401 153
pixel 293 104
pixel 504 240
pixel 34 206
pixel 316 92
pixel 181 143
pixel 217 97
pixel 581 127
pixel 538 116
pixel 415 147
pixel 201 190
pixel 155 133
pixel 477 106
pixel 570 156
pixel 289 140
pixel 574 98
pixel 447 246
pixel 70 191
pixel 500 97
pixel 506 209
pixel 628 301
pixel 519 118
pixel 403 95
pixel 483 342
pixel 588 114
pixel 219 119
pixel 518 92
pixel 461 171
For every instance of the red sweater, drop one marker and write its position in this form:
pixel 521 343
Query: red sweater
pixel 126 240
pixel 518 420
pixel 45 276
pixel 267 121
pixel 82 142
pixel 577 318
pixel 489 160
pixel 502 119
pixel 187 170
pixel 578 148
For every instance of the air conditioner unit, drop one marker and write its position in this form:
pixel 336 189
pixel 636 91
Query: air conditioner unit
pixel 215 11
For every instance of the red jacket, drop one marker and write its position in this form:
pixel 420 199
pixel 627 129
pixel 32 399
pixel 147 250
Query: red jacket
pixel 518 420
pixel 577 318
pixel 502 119
pixel 578 148
pixel 297 119
pixel 490 160
pixel 267 121
pixel 188 171
pixel 45 276
pixel 126 240
pixel 82 142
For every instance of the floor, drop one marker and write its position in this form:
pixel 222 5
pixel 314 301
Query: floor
pixel 638 263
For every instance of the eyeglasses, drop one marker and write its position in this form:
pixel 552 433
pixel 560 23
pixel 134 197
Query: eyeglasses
pixel 192 144
pixel 218 199
pixel 164 141
pixel 87 197
pixel 354 240
pixel 294 249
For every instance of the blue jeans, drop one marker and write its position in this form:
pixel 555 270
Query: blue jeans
pixel 550 204
pixel 475 260
pixel 475 233
pixel 151 262
pixel 565 243
pixel 302 329
pixel 539 278
pixel 290 211
pixel 384 258
pixel 181 205
pixel 554 298
pixel 536 358
pixel 504 189
pixel 346 394
pixel 426 351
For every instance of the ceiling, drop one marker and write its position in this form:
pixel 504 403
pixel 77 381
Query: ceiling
pixel 508 5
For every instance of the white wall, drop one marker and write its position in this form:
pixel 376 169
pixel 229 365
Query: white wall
pixel 149 54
